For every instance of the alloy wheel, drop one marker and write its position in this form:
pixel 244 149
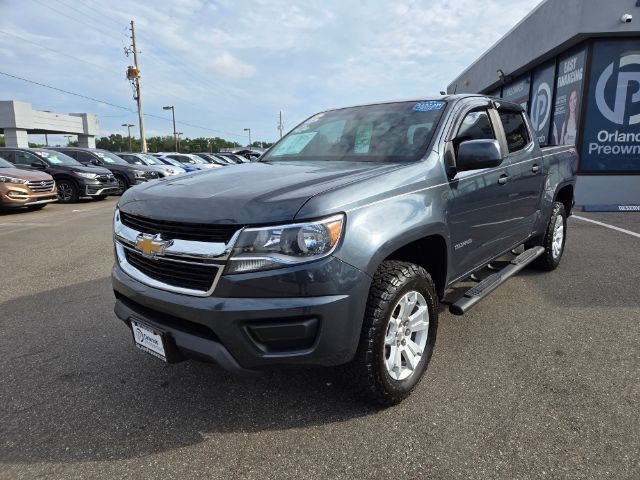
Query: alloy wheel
pixel 406 335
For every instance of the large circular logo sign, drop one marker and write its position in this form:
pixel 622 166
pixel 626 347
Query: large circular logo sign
pixel 541 106
pixel 627 83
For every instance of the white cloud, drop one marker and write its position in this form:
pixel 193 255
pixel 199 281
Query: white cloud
pixel 227 65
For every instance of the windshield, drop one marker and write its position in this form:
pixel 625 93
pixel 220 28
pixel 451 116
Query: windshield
pixel 5 164
pixel 196 159
pixel 110 159
pixel 171 161
pixel 149 159
pixel 392 132
pixel 56 158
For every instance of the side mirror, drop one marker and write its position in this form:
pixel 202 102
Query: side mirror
pixel 38 165
pixel 477 154
pixel 95 162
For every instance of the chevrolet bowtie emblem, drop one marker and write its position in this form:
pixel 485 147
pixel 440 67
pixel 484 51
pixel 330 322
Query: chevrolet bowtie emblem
pixel 152 245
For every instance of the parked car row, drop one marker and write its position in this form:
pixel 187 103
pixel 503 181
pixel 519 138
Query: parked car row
pixel 34 177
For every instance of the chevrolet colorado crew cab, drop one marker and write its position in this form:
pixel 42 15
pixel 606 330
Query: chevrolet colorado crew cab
pixel 338 245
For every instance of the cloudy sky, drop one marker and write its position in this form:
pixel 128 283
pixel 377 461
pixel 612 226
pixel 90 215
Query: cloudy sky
pixel 227 65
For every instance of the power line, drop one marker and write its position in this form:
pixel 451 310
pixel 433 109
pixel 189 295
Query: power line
pixel 67 92
pixel 51 49
pixel 104 32
pixel 97 100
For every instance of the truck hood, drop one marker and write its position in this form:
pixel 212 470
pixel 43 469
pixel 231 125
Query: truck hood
pixel 246 194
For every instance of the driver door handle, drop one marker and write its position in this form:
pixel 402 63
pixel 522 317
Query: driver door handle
pixel 503 179
pixel 535 168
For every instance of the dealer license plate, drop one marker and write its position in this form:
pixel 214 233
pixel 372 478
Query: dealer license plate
pixel 148 340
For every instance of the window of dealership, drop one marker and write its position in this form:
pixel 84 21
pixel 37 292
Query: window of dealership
pixel 575 66
pixel 589 97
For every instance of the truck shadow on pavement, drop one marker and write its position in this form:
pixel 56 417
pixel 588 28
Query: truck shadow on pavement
pixel 74 387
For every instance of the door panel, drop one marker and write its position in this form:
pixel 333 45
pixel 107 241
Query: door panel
pixel 479 217
pixel 479 210
pixel 526 175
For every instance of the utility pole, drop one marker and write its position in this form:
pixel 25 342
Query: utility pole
pixel 128 125
pixel 133 74
pixel 248 130
pixel 175 134
pixel 280 125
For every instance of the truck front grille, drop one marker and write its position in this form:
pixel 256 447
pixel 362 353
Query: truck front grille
pixel 177 274
pixel 40 186
pixel 198 232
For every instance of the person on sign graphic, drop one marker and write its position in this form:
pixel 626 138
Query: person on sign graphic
pixel 569 127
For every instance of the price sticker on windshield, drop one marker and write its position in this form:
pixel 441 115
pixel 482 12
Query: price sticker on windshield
pixel 428 106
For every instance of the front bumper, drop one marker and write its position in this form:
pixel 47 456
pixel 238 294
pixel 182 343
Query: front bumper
pixel 305 315
pixel 96 190
pixel 21 196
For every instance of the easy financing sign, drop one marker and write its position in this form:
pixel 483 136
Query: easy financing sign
pixel 611 141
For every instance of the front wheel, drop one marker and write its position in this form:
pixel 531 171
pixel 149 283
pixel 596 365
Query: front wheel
pixel 553 240
pixel 398 333
pixel 67 191
pixel 123 184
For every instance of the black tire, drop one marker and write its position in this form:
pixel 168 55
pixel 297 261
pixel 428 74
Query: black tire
pixel 67 191
pixel 392 281
pixel 550 260
pixel 100 197
pixel 36 207
pixel 123 184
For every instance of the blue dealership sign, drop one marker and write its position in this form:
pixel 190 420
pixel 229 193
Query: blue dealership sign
pixel 611 140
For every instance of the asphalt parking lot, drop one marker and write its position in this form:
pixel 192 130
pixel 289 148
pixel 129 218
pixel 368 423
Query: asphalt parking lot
pixel 541 380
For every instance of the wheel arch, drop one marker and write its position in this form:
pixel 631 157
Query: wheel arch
pixel 565 195
pixel 429 252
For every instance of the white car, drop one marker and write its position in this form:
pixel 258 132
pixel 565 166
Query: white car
pixel 136 158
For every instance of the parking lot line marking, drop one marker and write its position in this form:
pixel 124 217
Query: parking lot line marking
pixel 606 225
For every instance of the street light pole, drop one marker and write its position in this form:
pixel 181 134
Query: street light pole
pixel 68 137
pixel 175 134
pixel 248 130
pixel 178 137
pixel 129 125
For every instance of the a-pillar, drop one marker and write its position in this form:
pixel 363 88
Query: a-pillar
pixel 15 137
pixel 87 141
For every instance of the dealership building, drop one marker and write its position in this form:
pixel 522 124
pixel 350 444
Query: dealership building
pixel 575 66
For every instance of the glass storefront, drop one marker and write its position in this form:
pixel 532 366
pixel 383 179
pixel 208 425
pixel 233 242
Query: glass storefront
pixel 555 94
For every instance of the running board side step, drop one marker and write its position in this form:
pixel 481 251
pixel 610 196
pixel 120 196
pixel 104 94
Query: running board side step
pixel 493 281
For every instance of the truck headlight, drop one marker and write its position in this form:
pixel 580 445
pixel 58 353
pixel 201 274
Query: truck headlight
pixel 279 246
pixel 6 179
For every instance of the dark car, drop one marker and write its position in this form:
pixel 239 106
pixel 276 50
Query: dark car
pixel 232 157
pixel 213 158
pixel 126 175
pixel 338 246
pixel 73 179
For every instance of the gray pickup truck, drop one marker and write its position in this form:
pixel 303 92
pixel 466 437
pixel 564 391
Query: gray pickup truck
pixel 340 243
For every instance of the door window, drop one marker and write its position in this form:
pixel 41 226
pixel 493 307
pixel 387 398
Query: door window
pixel 515 129
pixel 84 157
pixel 26 158
pixel 475 126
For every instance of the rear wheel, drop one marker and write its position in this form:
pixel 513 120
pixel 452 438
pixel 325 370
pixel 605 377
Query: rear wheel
pixel 554 239
pixel 399 332
pixel 67 191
